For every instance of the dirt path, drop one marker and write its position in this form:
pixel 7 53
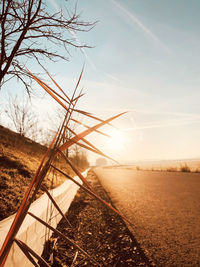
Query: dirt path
pixel 98 231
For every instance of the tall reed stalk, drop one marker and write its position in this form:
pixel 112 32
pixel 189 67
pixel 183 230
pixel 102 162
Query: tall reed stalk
pixel 59 145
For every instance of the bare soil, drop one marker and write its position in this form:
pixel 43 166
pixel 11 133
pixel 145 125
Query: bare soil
pixel 97 230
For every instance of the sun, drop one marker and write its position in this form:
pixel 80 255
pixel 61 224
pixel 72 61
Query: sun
pixel 117 140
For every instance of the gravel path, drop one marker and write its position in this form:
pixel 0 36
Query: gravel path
pixel 97 230
pixel 165 209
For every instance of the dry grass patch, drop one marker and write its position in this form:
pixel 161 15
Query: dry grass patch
pixel 19 158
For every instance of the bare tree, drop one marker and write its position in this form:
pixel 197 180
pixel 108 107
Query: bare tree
pixel 54 122
pixel 29 30
pixel 23 118
pixel 79 157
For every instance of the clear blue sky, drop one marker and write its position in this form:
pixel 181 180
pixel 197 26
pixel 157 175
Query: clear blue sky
pixel 146 61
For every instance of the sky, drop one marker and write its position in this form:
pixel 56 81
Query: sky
pixel 145 60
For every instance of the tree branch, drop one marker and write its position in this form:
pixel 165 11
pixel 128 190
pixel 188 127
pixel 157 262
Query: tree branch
pixel 26 26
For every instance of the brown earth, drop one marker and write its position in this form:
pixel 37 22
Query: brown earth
pixel 97 230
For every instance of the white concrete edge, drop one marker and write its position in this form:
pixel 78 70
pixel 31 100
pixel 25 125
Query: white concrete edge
pixel 33 233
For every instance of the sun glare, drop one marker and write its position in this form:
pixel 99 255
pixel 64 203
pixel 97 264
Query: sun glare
pixel 117 140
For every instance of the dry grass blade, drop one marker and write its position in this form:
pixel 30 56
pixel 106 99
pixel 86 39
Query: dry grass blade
pixel 54 91
pixel 86 132
pixel 58 86
pixel 90 116
pixel 84 140
pixel 27 250
pixel 56 206
pixel 21 213
pixel 89 191
pixel 48 91
pixel 90 147
pixel 74 259
pixel 86 126
pixel 76 98
pixel 95 151
pixel 26 253
pixel 68 115
pixel 79 79
pixel 75 170
pixel 50 87
pixel 82 111
pixel 63 236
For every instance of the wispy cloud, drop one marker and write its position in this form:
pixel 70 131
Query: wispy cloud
pixel 112 77
pixel 54 4
pixel 172 113
pixel 91 63
pixel 87 58
pixel 164 124
pixel 74 35
pixel 134 20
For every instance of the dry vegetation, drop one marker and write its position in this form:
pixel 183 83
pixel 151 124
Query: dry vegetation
pixel 98 230
pixel 106 237
pixel 19 159
pixel 54 160
pixel 176 167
